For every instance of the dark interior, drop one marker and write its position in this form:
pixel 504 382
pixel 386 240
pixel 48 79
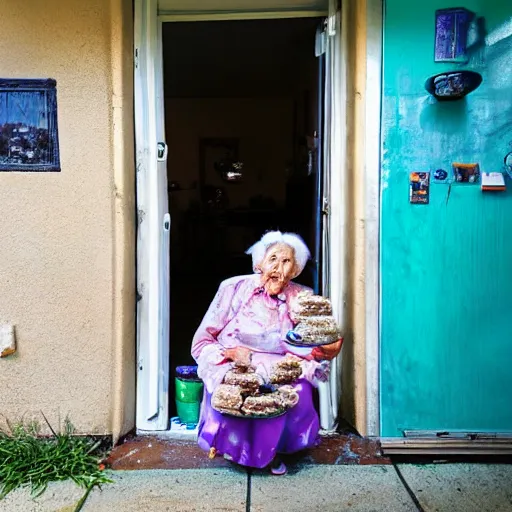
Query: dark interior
pixel 241 91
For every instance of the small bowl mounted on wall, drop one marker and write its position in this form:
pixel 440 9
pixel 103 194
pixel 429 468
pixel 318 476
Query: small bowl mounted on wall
pixel 453 85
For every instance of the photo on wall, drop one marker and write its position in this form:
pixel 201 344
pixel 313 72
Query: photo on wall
pixel 419 187
pixel 466 173
pixel 28 125
pixel 451 34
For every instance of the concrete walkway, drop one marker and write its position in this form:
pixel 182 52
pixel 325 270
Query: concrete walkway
pixel 322 488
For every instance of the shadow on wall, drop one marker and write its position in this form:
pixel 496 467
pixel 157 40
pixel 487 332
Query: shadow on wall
pixel 444 117
pixel 347 412
pixel 498 57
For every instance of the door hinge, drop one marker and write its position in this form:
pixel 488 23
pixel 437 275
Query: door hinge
pixel 136 58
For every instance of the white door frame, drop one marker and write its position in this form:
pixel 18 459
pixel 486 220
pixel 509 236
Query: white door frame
pixel 238 16
pixel 153 225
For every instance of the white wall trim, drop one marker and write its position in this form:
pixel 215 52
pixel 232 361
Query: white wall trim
pixel 237 16
pixel 374 46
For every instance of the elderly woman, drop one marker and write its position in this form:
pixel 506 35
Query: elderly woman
pixel 248 320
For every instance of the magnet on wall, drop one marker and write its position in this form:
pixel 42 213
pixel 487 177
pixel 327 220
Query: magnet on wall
pixel 419 187
pixel 441 176
pixel 466 173
pixel 493 182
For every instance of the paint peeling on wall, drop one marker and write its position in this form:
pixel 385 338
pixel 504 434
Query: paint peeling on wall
pixel 7 340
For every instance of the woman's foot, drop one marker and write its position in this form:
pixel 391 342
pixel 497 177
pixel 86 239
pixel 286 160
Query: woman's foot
pixel 277 467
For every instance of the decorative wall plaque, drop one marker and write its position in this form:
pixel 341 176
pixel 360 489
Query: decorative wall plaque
pixel 453 85
pixel 28 125
pixel 451 34
pixel 466 173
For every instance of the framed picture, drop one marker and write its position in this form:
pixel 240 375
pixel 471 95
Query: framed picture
pixel 419 187
pixel 452 27
pixel 212 153
pixel 28 125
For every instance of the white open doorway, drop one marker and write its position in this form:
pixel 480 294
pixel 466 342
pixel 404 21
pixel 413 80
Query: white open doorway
pixel 247 86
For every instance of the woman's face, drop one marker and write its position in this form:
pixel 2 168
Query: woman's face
pixel 277 268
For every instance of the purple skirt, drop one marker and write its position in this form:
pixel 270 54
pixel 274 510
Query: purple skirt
pixel 255 442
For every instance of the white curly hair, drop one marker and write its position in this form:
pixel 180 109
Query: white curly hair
pixel 259 249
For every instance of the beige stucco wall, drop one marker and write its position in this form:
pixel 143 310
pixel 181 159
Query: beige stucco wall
pixel 67 239
pixel 354 384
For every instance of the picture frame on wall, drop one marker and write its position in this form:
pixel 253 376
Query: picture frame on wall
pixel 28 125
pixel 466 173
pixel 212 152
pixel 419 187
pixel 451 34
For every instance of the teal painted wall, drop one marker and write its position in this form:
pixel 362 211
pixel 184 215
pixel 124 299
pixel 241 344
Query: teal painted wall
pixel 446 267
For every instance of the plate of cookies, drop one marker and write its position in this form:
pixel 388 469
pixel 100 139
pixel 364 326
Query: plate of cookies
pixel 245 394
pixel 314 322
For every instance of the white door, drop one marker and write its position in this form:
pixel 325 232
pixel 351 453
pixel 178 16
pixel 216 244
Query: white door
pixel 153 224
pixel 334 199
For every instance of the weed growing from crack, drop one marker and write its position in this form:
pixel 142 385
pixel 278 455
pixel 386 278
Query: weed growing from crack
pixel 29 460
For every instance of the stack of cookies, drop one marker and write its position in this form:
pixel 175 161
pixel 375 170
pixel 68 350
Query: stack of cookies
pixel 312 315
pixel 286 371
pixel 244 392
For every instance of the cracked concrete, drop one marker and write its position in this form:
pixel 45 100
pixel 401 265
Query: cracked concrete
pixel 307 488
pixel 460 487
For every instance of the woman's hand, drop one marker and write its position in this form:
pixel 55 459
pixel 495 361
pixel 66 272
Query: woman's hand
pixel 239 355
pixel 327 352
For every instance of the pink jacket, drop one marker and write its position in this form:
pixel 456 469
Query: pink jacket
pixel 242 314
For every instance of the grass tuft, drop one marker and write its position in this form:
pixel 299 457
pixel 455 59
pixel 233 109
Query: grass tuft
pixel 29 460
